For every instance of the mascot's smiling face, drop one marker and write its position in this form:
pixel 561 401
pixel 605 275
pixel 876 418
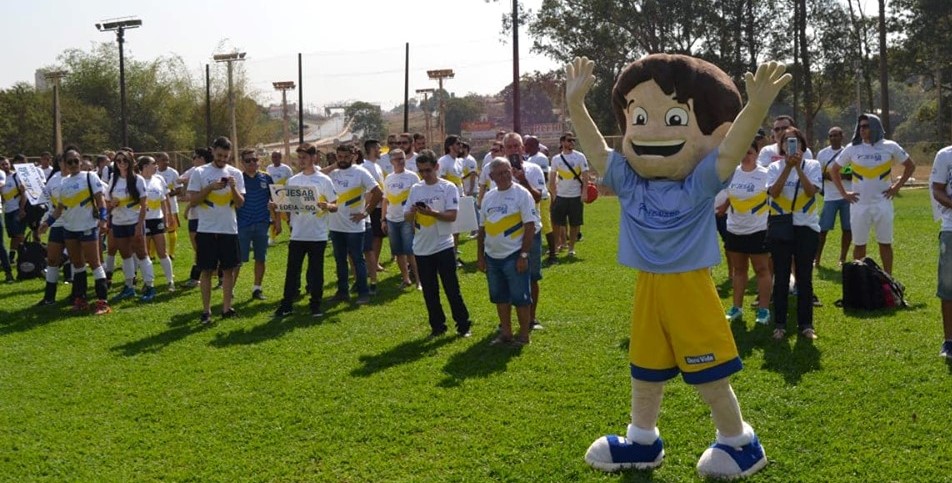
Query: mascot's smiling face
pixel 674 111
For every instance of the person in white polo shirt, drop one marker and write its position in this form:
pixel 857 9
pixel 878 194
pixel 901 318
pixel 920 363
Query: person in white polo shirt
pixel 941 181
pixel 507 229
pixel 309 234
pixel 280 173
pixel 215 191
pixel 872 157
pixel 833 203
pixel 431 208
pixel 396 190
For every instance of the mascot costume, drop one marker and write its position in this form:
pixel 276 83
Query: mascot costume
pixel 685 133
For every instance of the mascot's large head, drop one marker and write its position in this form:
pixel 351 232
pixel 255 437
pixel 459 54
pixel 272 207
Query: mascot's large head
pixel 674 110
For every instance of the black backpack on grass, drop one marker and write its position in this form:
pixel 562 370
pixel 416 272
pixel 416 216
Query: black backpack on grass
pixel 31 258
pixel 866 286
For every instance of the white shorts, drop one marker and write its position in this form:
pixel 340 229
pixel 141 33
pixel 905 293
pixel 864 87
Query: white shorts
pixel 865 217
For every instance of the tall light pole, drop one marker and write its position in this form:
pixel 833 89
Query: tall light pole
pixel 230 59
pixel 120 25
pixel 283 87
pixel 439 75
pixel 516 108
pixel 426 113
pixel 55 77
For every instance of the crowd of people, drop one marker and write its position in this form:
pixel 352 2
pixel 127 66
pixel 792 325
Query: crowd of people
pixel 118 203
pixel 768 216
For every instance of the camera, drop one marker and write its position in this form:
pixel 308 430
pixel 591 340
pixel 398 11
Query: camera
pixel 792 146
pixel 515 161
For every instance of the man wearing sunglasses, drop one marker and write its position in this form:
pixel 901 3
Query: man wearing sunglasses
pixel 872 157
pixel 255 218
pixel 771 152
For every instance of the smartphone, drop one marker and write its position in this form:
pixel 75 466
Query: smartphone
pixel 515 161
pixel 792 146
pixel 420 204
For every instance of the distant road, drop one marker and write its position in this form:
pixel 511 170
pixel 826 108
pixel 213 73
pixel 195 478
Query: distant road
pixel 318 131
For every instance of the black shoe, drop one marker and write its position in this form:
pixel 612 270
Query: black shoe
pixel 216 287
pixel 373 289
pixel 459 263
pixel 579 237
pixel 10 278
pixel 317 313
pixel 816 301
pixel 206 318
pixel 436 333
pixel 257 295
pixel 45 302
pixel 353 288
pixel 464 335
pixel 340 297
pixel 283 311
pixel 535 325
pixel 228 314
pixel 552 260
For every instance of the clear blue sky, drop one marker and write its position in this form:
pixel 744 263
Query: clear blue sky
pixel 353 49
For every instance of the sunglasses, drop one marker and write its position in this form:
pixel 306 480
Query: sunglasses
pixel 249 160
pixel 864 126
pixel 70 162
pixel 425 170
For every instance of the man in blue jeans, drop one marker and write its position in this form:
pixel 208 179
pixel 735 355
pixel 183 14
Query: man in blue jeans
pixel 347 225
pixel 255 217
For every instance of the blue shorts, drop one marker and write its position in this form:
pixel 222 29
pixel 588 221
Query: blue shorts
pixel 535 258
pixel 193 226
pixel 506 284
pixel 830 210
pixel 123 231
pixel 89 235
pixel 401 237
pixel 15 227
pixel 257 235
pixel 57 235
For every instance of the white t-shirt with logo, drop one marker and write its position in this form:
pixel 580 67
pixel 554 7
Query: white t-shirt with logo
pixel 127 212
pixel 503 215
pixel 536 178
pixel 308 225
pixel 470 175
pixel 192 213
pixel 826 157
pixel 77 195
pixel 171 176
pixel 451 169
pixel 156 191
pixel 432 235
pixel 10 193
pixel 217 213
pixel 567 186
pixel 942 173
pixel 805 211
pixel 541 161
pixel 749 207
pixel 872 168
pixel 350 184
pixel 396 189
pixel 280 174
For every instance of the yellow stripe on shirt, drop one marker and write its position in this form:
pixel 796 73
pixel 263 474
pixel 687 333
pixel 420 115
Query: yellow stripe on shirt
pixel 755 204
pixel 509 225
pixel 875 172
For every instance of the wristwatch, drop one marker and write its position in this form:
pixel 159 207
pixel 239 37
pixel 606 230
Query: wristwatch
pixel 524 255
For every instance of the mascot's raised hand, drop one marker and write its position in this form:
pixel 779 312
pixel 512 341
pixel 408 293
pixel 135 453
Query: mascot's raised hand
pixel 685 131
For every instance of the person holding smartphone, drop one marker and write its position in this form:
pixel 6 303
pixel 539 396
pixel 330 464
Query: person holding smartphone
pixel 793 183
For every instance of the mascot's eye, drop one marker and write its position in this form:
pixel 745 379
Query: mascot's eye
pixel 639 117
pixel 676 117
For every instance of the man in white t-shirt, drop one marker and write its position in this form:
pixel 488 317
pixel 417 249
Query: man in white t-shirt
pixel 833 202
pixel 506 234
pixel 45 159
pixel 771 152
pixel 405 142
pixel 941 181
pixel 384 162
pixel 568 178
pixel 871 158
pixel 215 191
pixel 535 156
pixel 431 208
pixel 280 173
pixel 348 231
pixel 450 168
pixel 309 234
pixel 470 170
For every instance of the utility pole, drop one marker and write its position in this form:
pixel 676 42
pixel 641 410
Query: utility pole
pixel 120 25
pixel 439 75
pixel 208 106
pixel 283 87
pixel 426 113
pixel 55 77
pixel 230 59
pixel 300 100
pixel 516 110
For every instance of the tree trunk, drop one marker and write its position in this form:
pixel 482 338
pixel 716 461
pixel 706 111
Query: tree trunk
pixel 805 74
pixel 883 71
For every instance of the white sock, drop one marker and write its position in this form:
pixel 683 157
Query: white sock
pixel 129 270
pixel 148 274
pixel 167 268
pixel 52 274
pixel 255 287
pixel 99 273
pixel 110 263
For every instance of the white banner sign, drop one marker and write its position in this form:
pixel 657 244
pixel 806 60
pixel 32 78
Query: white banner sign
pixel 33 181
pixel 295 198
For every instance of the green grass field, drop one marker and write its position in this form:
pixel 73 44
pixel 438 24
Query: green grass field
pixel 361 395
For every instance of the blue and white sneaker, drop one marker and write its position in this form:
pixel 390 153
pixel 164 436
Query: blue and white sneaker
pixel 148 294
pixel 127 292
pixel 615 453
pixel 763 316
pixel 726 461
pixel 946 349
pixel 734 314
